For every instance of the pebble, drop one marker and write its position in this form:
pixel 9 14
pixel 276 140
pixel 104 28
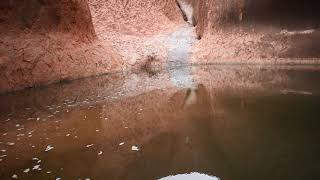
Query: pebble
pixel 100 153
pixel 2 156
pixel 121 144
pixel 27 170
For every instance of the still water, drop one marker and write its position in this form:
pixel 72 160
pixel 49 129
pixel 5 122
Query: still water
pixel 234 123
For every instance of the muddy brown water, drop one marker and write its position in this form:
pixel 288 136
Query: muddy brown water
pixel 237 122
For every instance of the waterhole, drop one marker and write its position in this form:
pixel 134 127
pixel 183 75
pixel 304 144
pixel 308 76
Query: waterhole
pixel 235 122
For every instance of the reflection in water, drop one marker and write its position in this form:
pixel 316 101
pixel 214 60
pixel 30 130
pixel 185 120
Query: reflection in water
pixel 244 129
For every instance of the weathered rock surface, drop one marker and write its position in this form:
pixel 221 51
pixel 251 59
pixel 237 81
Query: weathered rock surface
pixel 256 29
pixel 46 41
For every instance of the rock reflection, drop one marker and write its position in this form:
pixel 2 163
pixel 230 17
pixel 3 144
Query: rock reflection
pixel 111 129
pixel 186 146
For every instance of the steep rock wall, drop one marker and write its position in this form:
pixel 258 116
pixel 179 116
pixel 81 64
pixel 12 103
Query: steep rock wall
pixel 136 29
pixel 218 14
pixel 46 41
pixel 256 29
pixel 134 17
pixel 47 15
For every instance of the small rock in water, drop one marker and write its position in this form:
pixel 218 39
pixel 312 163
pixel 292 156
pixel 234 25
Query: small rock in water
pixel 1 160
pixel 35 159
pixel 49 147
pixel 89 145
pixel 48 172
pixel 17 125
pixel 27 170
pixel 58 178
pixel 68 135
pixel 4 134
pixel 36 167
pixel 100 153
pixel 15 176
pixel 38 119
pixel 2 156
pixel 3 150
pixel 121 144
pixel 134 148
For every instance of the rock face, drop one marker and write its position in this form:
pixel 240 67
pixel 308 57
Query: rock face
pixel 253 29
pixel 217 14
pixel 133 17
pixel 48 15
pixel 45 41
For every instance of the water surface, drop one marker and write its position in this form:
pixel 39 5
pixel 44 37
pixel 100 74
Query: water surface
pixel 235 122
